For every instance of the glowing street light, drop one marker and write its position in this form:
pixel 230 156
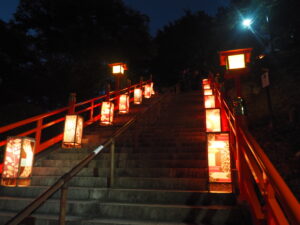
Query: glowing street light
pixel 247 22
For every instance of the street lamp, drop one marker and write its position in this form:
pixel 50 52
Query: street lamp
pixel 247 22
pixel 118 69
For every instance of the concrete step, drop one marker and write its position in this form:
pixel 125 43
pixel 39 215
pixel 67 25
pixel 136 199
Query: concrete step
pixel 214 215
pixel 126 156
pixel 151 196
pixel 74 207
pixel 75 182
pixel 162 183
pixel 127 163
pixel 129 172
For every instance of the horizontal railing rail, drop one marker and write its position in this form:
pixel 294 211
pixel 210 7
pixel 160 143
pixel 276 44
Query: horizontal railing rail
pixel 260 184
pixel 38 124
pixel 62 182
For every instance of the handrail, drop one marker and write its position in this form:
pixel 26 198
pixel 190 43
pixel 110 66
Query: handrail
pixel 38 128
pixel 62 182
pixel 279 205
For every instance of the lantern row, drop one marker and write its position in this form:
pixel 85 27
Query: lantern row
pixel 19 151
pixel 219 165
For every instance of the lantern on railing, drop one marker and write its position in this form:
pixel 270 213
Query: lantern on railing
pixel 152 88
pixel 124 104
pixel 147 91
pixel 213 120
pixel 206 86
pixel 209 101
pixel 207 92
pixel 205 81
pixel 107 113
pixel 73 131
pixel 219 165
pixel 18 161
pixel 137 96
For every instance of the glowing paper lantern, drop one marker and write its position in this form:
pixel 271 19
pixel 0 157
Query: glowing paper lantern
pixel 205 81
pixel 18 161
pixel 219 166
pixel 209 101
pixel 107 113
pixel 235 59
pixel 124 104
pixel 152 88
pixel 208 92
pixel 118 68
pixel 148 91
pixel 213 120
pixel 73 131
pixel 138 96
pixel 206 86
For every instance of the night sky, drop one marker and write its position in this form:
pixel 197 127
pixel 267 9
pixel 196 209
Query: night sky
pixel 161 12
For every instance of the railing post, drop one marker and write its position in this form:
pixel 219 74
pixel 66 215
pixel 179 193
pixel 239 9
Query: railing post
pixel 72 102
pixel 92 111
pixel 63 204
pixel 112 164
pixel 38 134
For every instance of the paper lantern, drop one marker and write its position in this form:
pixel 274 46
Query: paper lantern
pixel 18 161
pixel 123 104
pixel 107 113
pixel 208 92
pixel 235 59
pixel 73 131
pixel 138 96
pixel 206 86
pixel 213 120
pixel 118 68
pixel 209 101
pixel 148 91
pixel 205 81
pixel 152 88
pixel 219 165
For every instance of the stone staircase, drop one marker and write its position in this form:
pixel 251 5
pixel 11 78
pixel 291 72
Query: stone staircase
pixel 162 180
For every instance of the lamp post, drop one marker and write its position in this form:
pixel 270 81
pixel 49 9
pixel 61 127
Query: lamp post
pixel 118 70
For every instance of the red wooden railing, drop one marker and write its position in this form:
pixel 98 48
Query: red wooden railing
pixel 259 183
pixel 39 123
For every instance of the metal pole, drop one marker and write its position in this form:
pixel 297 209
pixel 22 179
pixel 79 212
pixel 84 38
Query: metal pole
pixel 112 163
pixel 63 204
pixel 72 102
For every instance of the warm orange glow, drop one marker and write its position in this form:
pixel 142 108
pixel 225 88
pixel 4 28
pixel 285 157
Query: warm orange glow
pixel 118 68
pixel 152 88
pixel 206 86
pixel 213 120
pixel 147 92
pixel 138 96
pixel 73 131
pixel 124 104
pixel 18 161
pixel 205 81
pixel 107 113
pixel 207 92
pixel 218 157
pixel 209 101
pixel 236 61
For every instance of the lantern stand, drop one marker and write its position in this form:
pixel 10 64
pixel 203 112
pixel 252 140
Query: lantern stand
pixel 72 102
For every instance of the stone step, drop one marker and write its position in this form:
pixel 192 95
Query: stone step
pixel 74 207
pixel 162 183
pixel 161 149
pixel 127 172
pixel 214 215
pixel 125 156
pixel 75 182
pixel 150 196
pixel 127 163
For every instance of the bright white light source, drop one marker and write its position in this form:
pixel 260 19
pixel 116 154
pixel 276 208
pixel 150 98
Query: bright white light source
pixel 247 22
pixel 236 61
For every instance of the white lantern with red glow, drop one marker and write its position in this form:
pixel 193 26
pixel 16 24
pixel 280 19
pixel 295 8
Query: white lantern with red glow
pixel 206 86
pixel 209 101
pixel 107 113
pixel 73 131
pixel 137 96
pixel 18 161
pixel 205 81
pixel 124 104
pixel 219 165
pixel 118 68
pixel 152 88
pixel 147 91
pixel 207 92
pixel 236 59
pixel 213 120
